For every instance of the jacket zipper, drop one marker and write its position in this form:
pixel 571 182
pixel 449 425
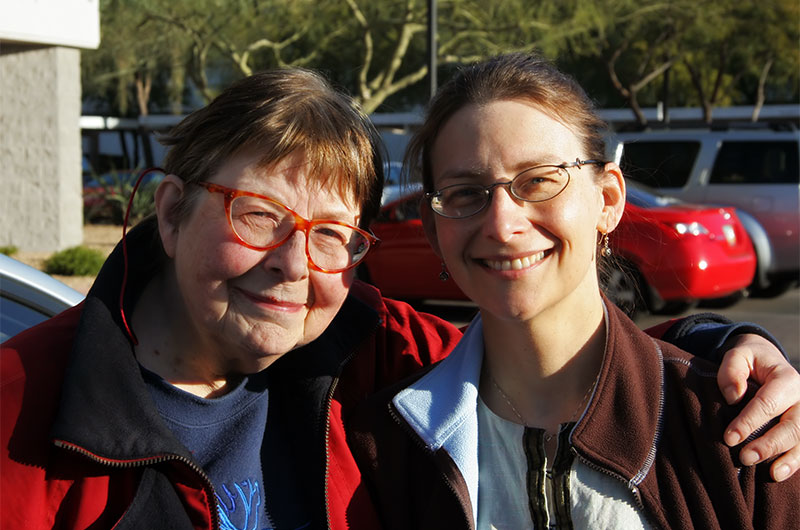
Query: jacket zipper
pixel 637 496
pixel 417 440
pixel 122 464
pixel 327 424
pixel 327 436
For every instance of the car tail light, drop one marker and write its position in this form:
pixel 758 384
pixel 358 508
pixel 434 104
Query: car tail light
pixel 730 234
pixel 694 228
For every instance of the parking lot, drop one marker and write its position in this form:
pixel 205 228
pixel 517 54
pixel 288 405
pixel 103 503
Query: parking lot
pixel 780 315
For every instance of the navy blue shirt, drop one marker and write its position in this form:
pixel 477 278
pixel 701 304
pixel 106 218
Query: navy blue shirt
pixel 225 436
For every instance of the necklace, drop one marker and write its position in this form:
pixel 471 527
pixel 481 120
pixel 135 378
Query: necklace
pixel 547 436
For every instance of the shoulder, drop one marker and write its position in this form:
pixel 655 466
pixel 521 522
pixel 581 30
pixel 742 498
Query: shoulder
pixel 41 349
pixel 374 423
pixel 404 329
pixel 32 368
pixel 688 383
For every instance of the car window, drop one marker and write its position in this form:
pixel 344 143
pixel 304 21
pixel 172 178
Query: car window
pixel 409 209
pixel 405 210
pixel 659 164
pixel 642 197
pixel 756 163
pixel 17 317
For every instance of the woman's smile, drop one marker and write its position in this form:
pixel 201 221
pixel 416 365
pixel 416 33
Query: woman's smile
pixel 515 264
pixel 272 303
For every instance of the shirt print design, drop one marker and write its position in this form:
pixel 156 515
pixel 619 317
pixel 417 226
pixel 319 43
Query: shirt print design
pixel 242 507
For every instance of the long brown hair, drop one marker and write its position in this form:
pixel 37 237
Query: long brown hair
pixel 514 76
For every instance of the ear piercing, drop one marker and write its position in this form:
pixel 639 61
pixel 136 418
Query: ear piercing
pixel 444 275
pixel 605 250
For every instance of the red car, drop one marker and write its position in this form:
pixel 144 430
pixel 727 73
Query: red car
pixel 667 254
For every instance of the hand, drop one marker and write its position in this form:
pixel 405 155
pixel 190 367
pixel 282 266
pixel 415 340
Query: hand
pixel 755 357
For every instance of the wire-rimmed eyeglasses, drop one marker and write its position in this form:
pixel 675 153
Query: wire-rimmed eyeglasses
pixel 535 184
pixel 262 223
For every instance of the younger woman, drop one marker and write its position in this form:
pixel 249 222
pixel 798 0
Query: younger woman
pixel 554 410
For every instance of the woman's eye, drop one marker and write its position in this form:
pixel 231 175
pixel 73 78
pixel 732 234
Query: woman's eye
pixel 532 182
pixel 258 218
pixel 260 214
pixel 331 234
pixel 462 194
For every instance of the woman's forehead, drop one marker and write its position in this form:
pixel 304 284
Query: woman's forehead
pixel 508 134
pixel 292 181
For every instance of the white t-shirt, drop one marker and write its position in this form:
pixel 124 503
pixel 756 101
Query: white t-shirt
pixel 517 485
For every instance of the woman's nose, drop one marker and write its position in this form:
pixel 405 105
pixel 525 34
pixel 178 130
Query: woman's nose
pixel 290 259
pixel 505 215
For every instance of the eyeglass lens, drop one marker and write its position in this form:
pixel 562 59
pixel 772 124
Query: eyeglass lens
pixel 533 185
pixel 262 223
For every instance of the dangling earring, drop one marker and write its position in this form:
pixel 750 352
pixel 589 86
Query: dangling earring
pixel 605 250
pixel 444 275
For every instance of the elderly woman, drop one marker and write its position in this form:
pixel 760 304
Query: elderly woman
pixel 165 399
pixel 554 410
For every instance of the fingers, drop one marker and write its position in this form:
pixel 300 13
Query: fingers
pixel 786 466
pixel 782 438
pixel 733 372
pixel 771 400
pixel 752 356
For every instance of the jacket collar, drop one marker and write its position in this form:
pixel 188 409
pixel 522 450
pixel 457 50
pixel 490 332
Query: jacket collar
pixel 620 429
pixel 105 407
pixel 450 422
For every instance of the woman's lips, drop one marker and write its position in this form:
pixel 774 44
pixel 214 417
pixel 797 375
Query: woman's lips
pixel 515 263
pixel 275 303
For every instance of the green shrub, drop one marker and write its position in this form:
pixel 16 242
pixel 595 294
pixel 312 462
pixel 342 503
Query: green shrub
pixel 75 261
pixel 9 250
pixel 107 203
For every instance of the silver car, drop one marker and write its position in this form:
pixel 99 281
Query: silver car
pixel 29 296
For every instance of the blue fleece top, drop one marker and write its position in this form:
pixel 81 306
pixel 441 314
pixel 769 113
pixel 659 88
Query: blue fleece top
pixel 225 436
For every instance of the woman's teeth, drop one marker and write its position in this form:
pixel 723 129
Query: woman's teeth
pixel 515 264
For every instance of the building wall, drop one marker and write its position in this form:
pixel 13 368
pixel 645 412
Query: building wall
pixel 41 206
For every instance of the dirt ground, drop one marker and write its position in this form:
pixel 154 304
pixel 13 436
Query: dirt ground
pixel 100 237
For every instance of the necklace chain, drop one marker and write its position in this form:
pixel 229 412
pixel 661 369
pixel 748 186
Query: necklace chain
pixel 547 436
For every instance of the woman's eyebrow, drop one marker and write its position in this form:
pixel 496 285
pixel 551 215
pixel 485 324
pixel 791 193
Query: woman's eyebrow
pixel 461 174
pixel 473 174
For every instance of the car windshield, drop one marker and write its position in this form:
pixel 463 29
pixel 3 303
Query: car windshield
pixel 645 197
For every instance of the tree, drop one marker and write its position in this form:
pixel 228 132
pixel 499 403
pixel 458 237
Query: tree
pixel 132 57
pixel 637 41
pixel 154 52
pixel 392 47
pixel 758 59
pixel 729 46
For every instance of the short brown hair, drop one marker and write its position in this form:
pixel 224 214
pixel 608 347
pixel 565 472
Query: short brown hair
pixel 279 112
pixel 518 76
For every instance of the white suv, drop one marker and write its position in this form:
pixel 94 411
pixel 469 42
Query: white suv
pixel 755 170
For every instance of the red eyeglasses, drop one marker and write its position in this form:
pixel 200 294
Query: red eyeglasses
pixel 262 223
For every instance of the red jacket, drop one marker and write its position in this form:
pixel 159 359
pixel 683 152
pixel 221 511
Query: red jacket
pixel 84 446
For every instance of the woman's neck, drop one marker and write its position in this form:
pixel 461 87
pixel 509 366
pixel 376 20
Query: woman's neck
pixel 169 347
pixel 538 372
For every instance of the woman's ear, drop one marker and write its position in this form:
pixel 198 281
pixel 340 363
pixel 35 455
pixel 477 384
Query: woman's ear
pixel 429 224
pixel 612 186
pixel 168 195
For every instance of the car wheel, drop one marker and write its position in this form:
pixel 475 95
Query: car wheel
pixel 775 288
pixel 623 284
pixel 675 307
pixel 724 301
